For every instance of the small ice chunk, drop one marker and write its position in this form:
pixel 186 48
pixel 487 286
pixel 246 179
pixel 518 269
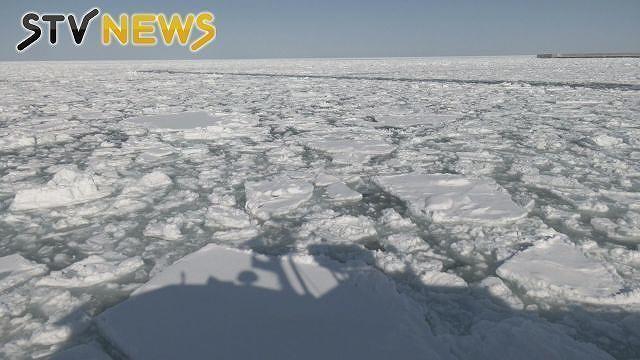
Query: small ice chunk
pixel 16 141
pixel 497 289
pixel 155 179
pixel 404 243
pixel 67 187
pixel 169 230
pixel 285 307
pixel 325 179
pixel 276 197
pixel 227 217
pixel 149 182
pixel 445 198
pixel 57 332
pixel 620 231
pixel 15 270
pixel 607 141
pixel 236 236
pixel 392 219
pixel 340 192
pixel 556 269
pixel 442 280
pixel 345 228
pixel 91 271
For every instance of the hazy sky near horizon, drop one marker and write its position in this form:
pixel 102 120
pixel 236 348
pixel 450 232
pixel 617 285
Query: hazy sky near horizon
pixel 342 28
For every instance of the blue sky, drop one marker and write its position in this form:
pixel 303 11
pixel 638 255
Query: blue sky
pixel 334 28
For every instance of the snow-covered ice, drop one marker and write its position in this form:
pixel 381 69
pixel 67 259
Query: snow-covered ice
pixel 448 198
pixel 351 151
pixel 339 192
pixel 500 195
pixel 556 269
pixel 276 197
pixel 91 271
pixel 67 187
pixel 238 304
pixel 15 270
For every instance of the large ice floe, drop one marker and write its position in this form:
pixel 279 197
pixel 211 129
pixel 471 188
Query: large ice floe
pixel 224 303
pixel 445 198
pixel 454 208
pixel 557 270
pixel 228 303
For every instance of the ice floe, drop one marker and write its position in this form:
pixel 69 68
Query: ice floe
pixel 339 192
pixel 67 187
pixel 445 198
pixel 351 151
pixel 340 229
pixel 91 271
pixel 169 230
pixel 556 270
pixel 276 197
pixel 15 270
pixel 242 305
pixel 227 217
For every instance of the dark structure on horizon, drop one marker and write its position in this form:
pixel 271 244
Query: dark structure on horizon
pixel 588 55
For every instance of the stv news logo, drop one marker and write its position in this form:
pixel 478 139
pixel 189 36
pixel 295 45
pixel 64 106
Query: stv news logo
pixel 135 29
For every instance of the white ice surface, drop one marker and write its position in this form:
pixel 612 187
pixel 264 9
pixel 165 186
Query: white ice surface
pixel 227 217
pixel 67 187
pixel 15 270
pixel 561 136
pixel 91 271
pixel 340 229
pixel 351 151
pixel 556 269
pixel 447 198
pixel 276 197
pixel 339 192
pixel 240 305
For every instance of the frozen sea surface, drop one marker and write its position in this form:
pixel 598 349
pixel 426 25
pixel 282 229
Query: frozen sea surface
pixel 498 197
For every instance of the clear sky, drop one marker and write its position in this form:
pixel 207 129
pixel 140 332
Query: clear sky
pixel 357 28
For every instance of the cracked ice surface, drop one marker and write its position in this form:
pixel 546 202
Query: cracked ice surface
pixel 500 195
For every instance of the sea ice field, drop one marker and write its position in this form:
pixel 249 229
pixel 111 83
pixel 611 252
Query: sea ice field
pixel 416 208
